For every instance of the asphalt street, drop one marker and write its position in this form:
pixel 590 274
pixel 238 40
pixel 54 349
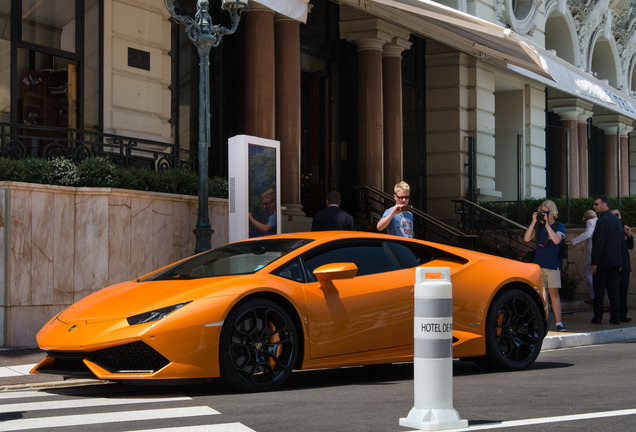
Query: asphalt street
pixel 582 389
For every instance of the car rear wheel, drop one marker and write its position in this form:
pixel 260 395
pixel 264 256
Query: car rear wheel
pixel 258 347
pixel 514 332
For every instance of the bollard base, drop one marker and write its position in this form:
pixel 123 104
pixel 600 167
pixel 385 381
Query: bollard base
pixel 433 419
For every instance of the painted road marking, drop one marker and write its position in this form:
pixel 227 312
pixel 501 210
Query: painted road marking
pixel 83 403
pixel 544 420
pixel 108 417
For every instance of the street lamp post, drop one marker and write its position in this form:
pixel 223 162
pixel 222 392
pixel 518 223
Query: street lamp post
pixel 204 36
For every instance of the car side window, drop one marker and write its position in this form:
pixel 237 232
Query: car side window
pixel 410 255
pixel 369 258
pixel 292 270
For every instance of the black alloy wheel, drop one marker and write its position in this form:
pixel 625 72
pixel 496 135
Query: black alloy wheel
pixel 258 347
pixel 514 332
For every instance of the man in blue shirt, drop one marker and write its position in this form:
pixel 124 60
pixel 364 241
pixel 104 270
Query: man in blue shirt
pixel 549 235
pixel 397 220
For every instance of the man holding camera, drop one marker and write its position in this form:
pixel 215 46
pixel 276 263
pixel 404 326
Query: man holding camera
pixel 549 234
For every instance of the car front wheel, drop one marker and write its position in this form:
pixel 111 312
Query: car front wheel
pixel 514 332
pixel 258 347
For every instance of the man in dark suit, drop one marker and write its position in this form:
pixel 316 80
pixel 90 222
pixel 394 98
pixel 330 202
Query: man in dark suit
pixel 606 260
pixel 623 285
pixel 333 217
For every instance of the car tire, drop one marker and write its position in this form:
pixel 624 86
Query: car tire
pixel 514 332
pixel 258 346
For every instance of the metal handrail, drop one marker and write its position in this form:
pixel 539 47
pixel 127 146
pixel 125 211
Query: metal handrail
pixel 494 231
pixel 374 201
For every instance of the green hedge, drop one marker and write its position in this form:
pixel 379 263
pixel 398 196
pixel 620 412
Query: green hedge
pixel 100 172
pixel 578 206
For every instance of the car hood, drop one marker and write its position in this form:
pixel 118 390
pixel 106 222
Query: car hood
pixel 130 298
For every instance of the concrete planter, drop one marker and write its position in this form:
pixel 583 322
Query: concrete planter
pixel 59 244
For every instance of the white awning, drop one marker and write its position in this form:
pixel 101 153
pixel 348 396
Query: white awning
pixel 498 45
pixel 572 80
pixel 295 9
pixel 454 28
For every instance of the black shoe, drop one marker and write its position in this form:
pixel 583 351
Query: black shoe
pixel 615 321
pixel 596 321
pixel 626 319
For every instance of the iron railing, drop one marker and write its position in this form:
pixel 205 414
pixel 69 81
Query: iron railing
pixel 18 141
pixel 373 202
pixel 496 234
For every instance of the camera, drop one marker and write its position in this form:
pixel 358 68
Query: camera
pixel 542 215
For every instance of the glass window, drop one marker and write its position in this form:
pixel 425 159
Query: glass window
pixel 232 259
pixel 91 65
pixel 49 23
pixel 369 258
pixel 411 255
pixel 49 90
pixel 5 61
pixel 292 270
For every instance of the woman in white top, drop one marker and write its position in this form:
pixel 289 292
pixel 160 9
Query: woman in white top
pixel 590 223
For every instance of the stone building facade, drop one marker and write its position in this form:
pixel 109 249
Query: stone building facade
pixel 491 99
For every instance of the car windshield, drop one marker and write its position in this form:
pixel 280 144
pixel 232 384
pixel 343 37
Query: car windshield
pixel 232 259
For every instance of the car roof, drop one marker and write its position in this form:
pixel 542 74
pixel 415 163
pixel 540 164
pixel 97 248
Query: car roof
pixel 333 235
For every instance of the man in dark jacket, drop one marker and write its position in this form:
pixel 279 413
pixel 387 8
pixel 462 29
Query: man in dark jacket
pixel 607 260
pixel 333 217
pixel 627 243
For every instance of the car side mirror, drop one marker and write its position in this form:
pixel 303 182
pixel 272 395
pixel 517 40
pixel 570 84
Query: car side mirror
pixel 334 271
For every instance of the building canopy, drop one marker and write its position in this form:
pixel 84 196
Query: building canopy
pixel 295 9
pixel 498 45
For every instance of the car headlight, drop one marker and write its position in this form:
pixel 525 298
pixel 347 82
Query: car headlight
pixel 154 315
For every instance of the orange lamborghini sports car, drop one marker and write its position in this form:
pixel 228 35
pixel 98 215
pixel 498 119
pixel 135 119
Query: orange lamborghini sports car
pixel 252 311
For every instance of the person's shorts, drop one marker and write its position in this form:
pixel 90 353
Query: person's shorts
pixel 551 278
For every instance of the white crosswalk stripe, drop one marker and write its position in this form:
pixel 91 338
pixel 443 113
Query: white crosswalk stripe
pixel 100 418
pixel 82 403
pixel 52 405
pixel 226 427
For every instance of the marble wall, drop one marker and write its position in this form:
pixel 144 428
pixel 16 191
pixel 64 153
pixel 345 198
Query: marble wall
pixel 59 244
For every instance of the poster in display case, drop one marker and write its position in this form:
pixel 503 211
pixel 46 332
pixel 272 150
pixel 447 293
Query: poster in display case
pixel 254 187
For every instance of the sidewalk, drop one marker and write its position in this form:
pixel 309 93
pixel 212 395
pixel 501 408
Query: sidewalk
pixel 15 364
pixel 576 318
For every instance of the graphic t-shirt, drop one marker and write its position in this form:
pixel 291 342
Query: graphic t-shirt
pixel 400 225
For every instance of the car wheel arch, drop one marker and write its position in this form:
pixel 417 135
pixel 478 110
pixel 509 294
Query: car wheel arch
pixel 523 287
pixel 289 308
pixel 515 348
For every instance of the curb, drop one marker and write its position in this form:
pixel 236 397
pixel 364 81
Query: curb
pixel 593 338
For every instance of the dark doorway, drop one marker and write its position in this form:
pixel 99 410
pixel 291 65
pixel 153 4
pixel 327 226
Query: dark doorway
pixel 314 148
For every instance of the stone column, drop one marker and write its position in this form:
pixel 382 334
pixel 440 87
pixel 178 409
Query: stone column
pixel 459 104
pixel 533 156
pixel 392 96
pixel 616 129
pixel 584 187
pixel 259 72
pixel 571 111
pixel 631 142
pixel 625 173
pixel 370 34
pixel 370 106
pixel 287 65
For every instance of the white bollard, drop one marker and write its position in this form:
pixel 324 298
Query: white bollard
pixel 433 353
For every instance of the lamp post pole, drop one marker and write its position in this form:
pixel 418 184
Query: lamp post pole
pixel 204 36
